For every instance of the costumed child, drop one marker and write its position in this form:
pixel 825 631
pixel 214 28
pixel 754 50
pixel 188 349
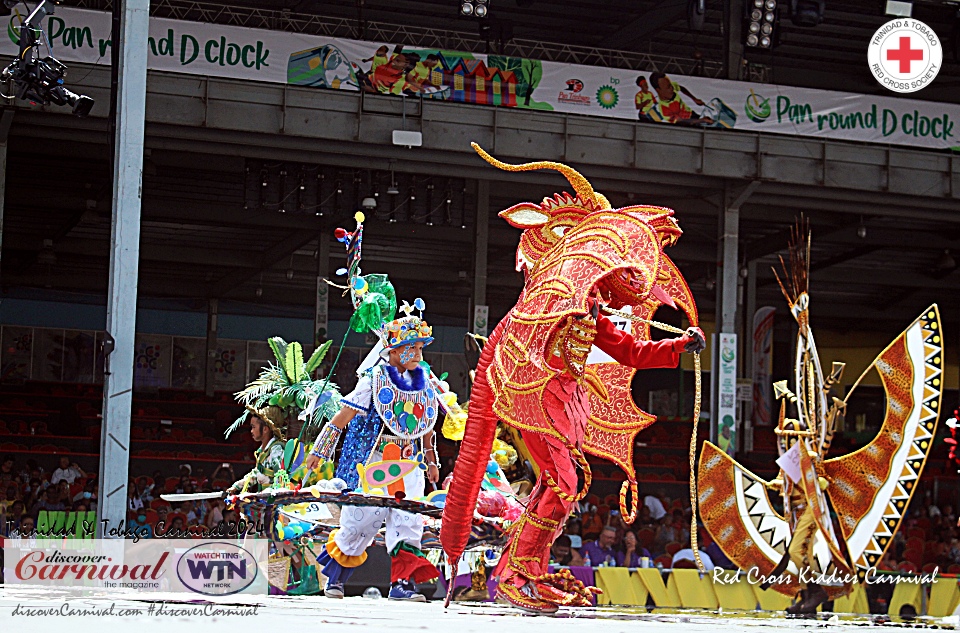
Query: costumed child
pixel 264 428
pixel 391 415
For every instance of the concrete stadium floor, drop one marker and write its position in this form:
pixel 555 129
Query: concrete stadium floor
pixel 43 609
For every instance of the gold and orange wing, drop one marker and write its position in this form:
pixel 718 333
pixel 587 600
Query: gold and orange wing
pixel 871 488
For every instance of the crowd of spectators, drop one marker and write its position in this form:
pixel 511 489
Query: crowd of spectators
pixel 596 535
pixel 27 489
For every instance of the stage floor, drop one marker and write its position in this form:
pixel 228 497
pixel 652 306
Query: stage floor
pixel 42 609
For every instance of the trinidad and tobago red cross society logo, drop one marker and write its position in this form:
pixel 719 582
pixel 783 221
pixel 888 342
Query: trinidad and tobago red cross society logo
pixel 905 55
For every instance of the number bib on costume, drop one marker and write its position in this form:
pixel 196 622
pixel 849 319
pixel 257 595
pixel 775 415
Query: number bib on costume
pixel 408 414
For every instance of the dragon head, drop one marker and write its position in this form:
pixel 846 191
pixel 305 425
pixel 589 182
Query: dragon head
pixel 565 224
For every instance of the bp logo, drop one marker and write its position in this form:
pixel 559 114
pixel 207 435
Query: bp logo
pixel 607 97
pixel 757 108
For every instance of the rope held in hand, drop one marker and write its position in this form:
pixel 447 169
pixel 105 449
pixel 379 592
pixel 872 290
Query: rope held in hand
pixel 693 438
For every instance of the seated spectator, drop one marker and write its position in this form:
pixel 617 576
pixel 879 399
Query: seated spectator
pixel 88 495
pixel 888 562
pixel 645 519
pixel 49 502
pixel 573 531
pixel 685 559
pixel 33 492
pixel 26 526
pixel 190 512
pixel 140 527
pixel 590 524
pixel 134 502
pixel 563 554
pixel 949 518
pixel 143 490
pixel 68 471
pixel 630 552
pixel 11 518
pixel 11 494
pixel 669 531
pixel 718 557
pixel 601 552
pixel 223 473
pixel 657 511
pixel 200 479
pixel 8 466
pixel 215 514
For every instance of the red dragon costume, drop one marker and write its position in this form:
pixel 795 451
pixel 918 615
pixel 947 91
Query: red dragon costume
pixel 576 253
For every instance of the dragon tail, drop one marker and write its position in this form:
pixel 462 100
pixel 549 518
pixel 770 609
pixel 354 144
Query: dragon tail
pixel 472 462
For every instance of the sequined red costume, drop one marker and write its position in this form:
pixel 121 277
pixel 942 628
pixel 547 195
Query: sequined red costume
pixel 576 253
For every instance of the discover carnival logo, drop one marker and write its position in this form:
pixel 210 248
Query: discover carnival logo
pixel 905 55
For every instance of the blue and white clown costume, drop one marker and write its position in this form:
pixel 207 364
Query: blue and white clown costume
pixel 396 410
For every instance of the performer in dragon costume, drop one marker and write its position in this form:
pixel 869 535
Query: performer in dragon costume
pixel 577 254
pixel 868 490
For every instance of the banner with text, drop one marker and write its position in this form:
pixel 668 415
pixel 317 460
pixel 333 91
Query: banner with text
pixel 324 62
pixel 206 567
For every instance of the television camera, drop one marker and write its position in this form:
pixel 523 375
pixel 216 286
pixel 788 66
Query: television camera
pixel 40 80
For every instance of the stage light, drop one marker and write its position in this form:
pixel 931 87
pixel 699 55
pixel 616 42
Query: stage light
pixel 899 8
pixel 807 12
pixel 478 8
pixel 760 23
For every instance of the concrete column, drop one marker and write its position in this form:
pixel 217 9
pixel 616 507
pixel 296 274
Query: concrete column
pixel 747 371
pixel 733 46
pixel 210 367
pixel 480 244
pixel 321 318
pixel 729 271
pixel 5 120
pixel 124 262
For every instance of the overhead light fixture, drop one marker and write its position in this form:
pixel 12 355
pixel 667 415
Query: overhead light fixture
pixel 807 13
pixel 369 203
pixel 478 8
pixel 761 22
pixel 899 8
pixel 862 230
pixel 393 190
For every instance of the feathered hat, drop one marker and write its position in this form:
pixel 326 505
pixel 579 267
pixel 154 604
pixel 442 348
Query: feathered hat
pixel 375 300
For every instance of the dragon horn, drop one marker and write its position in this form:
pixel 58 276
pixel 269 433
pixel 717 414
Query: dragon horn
pixel 580 184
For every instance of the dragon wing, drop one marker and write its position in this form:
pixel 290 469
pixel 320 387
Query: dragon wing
pixel 615 419
pixel 736 511
pixel 871 487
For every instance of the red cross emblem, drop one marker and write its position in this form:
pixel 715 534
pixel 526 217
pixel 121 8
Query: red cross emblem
pixel 905 54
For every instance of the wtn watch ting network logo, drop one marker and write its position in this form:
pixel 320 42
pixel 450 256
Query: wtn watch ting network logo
pixel 217 569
